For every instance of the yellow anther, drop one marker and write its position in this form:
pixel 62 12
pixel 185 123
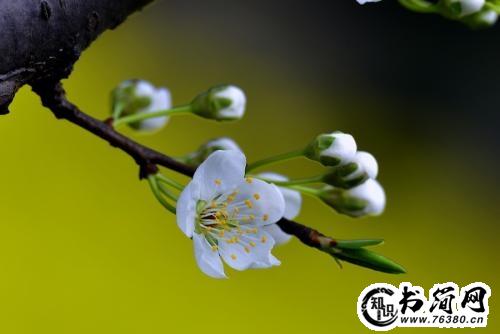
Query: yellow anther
pixel 265 217
pixel 249 203
pixel 252 244
pixel 218 182
pixel 263 239
pixel 247 249
pixel 233 257
pixel 252 217
pixel 256 196
pixel 213 204
pixel 249 180
pixel 221 233
pixel 230 199
pixel 215 248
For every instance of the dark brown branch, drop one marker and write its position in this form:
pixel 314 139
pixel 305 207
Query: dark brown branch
pixel 53 97
pixel 42 39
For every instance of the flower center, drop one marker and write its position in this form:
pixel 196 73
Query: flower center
pixel 223 219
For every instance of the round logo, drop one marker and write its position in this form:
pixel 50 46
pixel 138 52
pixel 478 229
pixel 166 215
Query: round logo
pixel 377 307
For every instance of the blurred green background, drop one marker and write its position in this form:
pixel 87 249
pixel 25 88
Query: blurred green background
pixel 85 248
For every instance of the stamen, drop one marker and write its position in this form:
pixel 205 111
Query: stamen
pixel 247 249
pixel 263 239
pixel 249 180
pixel 252 244
pixel 233 257
pixel 218 182
pixel 256 196
pixel 249 203
pixel 265 217
pixel 215 248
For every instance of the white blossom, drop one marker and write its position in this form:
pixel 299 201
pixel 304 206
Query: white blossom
pixel 225 213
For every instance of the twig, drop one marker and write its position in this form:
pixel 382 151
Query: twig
pixel 54 98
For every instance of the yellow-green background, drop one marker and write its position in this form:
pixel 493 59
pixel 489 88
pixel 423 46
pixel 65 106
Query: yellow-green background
pixel 85 248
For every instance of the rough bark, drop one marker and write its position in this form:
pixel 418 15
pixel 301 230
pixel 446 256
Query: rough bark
pixel 41 40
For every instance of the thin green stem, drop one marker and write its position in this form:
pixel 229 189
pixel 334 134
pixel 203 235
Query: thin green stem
pixel 146 115
pixel 156 191
pixel 170 182
pixel 306 190
pixel 308 180
pixel 275 159
pixel 167 192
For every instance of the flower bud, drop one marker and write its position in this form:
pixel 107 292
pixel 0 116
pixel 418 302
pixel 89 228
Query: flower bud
pixel 221 103
pixel 465 7
pixel 138 96
pixel 362 167
pixel 485 18
pixel 332 149
pixel 367 198
pixel 219 144
pixel 362 2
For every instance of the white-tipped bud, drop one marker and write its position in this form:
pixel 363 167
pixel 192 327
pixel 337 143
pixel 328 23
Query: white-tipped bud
pixel 362 2
pixel 332 149
pixel 219 144
pixel 367 199
pixel 220 103
pixel 362 167
pixel 139 96
pixel 486 18
pixel 465 7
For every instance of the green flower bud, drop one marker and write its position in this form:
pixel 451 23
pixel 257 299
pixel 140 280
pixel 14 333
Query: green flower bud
pixel 332 149
pixel 362 167
pixel 220 103
pixel 365 199
pixel 461 8
pixel 138 96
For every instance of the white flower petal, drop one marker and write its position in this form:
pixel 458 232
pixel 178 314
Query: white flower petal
pixel 259 200
pixel 186 209
pixel 235 256
pixel 208 260
pixel 221 172
pixel 293 198
pixel 262 251
pixel 277 234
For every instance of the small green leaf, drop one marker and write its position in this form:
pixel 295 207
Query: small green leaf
pixel 368 259
pixel 355 244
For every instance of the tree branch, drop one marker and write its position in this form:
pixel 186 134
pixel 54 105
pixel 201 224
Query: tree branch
pixel 53 97
pixel 43 39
